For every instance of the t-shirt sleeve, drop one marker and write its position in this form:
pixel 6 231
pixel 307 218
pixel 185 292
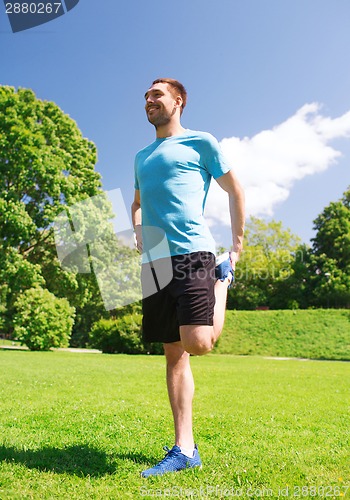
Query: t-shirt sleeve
pixel 214 160
pixel 136 181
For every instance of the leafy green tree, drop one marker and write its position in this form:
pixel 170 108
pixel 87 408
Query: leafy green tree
pixel 16 275
pixel 333 232
pixel 264 267
pixel 330 285
pixel 93 247
pixel 296 290
pixel 42 321
pixel 321 274
pixel 331 255
pixel 45 165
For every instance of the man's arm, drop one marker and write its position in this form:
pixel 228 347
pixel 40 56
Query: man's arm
pixel 229 183
pixel 136 217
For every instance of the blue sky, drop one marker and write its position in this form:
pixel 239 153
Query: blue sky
pixel 250 68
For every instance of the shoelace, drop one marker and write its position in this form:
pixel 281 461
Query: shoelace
pixel 170 452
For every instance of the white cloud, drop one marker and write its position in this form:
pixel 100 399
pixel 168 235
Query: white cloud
pixel 269 163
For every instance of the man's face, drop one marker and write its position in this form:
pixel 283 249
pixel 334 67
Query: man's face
pixel 160 104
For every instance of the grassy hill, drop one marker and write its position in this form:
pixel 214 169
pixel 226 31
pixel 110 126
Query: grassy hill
pixel 317 334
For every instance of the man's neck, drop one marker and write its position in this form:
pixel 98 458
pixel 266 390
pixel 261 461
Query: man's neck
pixel 169 130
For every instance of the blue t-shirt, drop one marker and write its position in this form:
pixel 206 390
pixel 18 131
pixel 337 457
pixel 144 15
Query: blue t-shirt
pixel 173 175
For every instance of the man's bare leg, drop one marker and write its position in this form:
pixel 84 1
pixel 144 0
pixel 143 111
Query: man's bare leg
pixel 180 389
pixel 200 339
pixel 195 339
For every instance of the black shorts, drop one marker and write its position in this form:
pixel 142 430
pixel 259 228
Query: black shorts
pixel 187 300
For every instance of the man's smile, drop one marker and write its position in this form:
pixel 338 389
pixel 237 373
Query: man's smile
pixel 152 107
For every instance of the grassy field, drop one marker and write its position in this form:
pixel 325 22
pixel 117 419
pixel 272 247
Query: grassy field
pixel 83 426
pixel 316 334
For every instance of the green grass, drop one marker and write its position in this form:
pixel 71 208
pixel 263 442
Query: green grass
pixel 83 426
pixel 315 334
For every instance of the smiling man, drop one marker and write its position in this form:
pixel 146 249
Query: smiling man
pixel 172 178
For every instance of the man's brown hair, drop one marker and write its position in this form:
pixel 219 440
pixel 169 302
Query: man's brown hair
pixel 176 89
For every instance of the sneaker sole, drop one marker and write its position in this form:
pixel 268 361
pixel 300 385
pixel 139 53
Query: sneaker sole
pixel 169 472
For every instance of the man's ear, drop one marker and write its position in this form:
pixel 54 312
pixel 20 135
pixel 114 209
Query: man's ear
pixel 178 101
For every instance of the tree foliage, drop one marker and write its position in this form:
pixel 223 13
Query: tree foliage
pixel 276 271
pixel 47 174
pixel 333 232
pixel 122 334
pixel 264 266
pixel 331 255
pixel 45 164
pixel 42 321
pixel 17 274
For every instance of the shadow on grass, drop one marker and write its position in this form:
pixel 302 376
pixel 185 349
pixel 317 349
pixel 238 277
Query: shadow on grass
pixel 75 460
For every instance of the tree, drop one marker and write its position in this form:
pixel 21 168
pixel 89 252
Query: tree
pixel 16 275
pixel 112 268
pixel 43 321
pixel 45 165
pixel 330 285
pixel 331 255
pixel 321 274
pixel 264 267
pixel 297 288
pixel 333 232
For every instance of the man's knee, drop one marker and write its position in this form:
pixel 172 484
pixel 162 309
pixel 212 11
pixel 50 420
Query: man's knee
pixel 175 353
pixel 197 339
pixel 199 349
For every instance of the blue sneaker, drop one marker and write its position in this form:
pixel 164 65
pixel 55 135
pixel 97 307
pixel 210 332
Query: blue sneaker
pixel 173 461
pixel 223 269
